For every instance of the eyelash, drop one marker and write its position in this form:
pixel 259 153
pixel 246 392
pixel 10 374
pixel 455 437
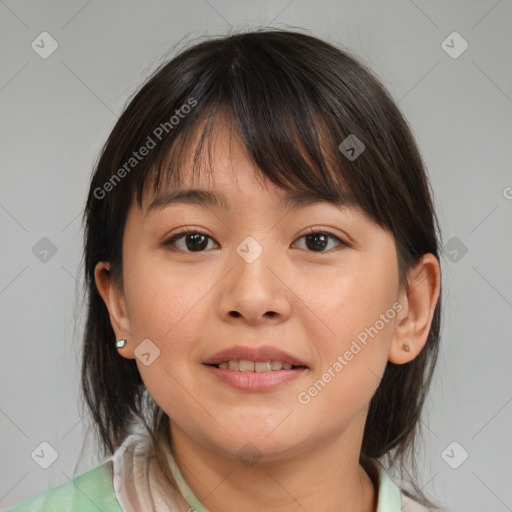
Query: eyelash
pixel 310 231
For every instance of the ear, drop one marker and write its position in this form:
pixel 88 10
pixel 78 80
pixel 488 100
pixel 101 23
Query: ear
pixel 419 302
pixel 114 299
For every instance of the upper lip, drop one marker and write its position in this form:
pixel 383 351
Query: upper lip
pixel 262 353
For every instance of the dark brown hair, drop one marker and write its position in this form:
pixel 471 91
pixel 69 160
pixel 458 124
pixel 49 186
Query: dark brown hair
pixel 292 99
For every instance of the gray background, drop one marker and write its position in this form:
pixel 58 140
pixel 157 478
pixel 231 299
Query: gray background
pixel 57 112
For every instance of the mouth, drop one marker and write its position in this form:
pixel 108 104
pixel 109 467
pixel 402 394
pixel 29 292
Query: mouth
pixel 245 365
pixel 263 358
pixel 255 368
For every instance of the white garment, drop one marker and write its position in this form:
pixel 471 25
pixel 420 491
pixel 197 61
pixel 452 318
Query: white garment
pixel 137 481
pixel 139 487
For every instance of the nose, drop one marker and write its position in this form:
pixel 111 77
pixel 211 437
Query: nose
pixel 256 290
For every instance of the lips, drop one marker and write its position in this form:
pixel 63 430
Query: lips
pixel 255 354
pixel 253 369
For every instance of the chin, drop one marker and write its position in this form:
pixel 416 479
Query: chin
pixel 261 445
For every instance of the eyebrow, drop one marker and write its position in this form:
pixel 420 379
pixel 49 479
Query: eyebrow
pixel 207 198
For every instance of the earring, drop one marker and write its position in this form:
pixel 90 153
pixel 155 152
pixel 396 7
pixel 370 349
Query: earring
pixel 406 347
pixel 120 343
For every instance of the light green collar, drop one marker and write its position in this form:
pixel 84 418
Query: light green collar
pixel 185 490
pixel 389 497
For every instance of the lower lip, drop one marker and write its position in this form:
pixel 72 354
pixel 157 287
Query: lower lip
pixel 255 381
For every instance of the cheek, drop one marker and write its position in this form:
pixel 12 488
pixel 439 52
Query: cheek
pixel 354 322
pixel 164 307
pixel 351 300
pixel 163 303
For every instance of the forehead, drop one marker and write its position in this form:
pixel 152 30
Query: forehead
pixel 223 168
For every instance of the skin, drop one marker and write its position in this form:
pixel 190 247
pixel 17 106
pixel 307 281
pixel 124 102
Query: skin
pixel 310 303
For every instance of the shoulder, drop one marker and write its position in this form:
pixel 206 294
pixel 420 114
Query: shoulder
pixel 91 491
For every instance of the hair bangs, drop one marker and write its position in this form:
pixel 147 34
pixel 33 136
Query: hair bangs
pixel 289 148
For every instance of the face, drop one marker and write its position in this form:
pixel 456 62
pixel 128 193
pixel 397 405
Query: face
pixel 318 282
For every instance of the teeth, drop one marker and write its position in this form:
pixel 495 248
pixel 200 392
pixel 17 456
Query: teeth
pixel 262 366
pixel 251 366
pixel 276 365
pixel 246 366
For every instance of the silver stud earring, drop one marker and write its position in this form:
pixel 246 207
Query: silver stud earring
pixel 120 343
pixel 406 347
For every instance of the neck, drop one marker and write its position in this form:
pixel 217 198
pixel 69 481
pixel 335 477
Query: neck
pixel 325 477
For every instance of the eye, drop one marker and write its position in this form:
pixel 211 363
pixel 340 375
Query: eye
pixel 196 241
pixel 189 241
pixel 317 241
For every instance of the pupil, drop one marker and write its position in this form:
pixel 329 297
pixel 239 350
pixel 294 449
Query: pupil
pixel 199 242
pixel 317 237
pixel 196 245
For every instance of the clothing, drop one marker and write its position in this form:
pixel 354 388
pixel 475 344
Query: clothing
pixel 129 482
